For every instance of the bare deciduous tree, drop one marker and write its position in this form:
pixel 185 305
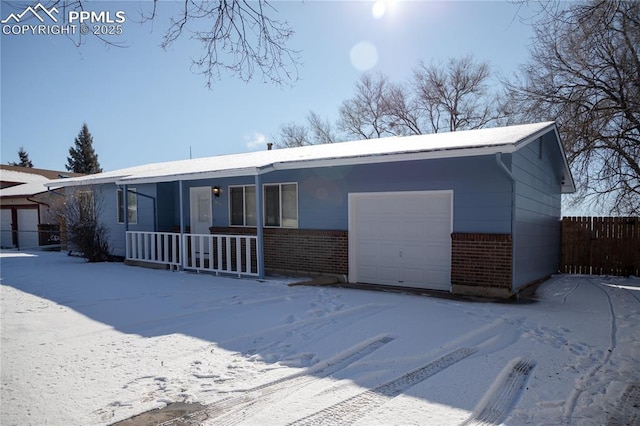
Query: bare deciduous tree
pixel 292 135
pixel 368 113
pixel 238 36
pixel 317 131
pixel 321 129
pixel 403 107
pixel 584 73
pixel 455 96
pixel 242 37
pixel 85 233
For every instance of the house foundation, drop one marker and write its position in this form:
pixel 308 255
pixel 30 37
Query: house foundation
pixel 300 251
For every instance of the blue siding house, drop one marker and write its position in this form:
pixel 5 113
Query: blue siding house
pixel 471 212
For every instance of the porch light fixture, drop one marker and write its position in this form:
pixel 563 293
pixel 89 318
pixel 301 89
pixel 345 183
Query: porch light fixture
pixel 216 191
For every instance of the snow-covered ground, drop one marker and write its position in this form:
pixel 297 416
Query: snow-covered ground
pixel 87 344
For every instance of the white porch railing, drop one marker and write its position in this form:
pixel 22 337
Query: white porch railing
pixel 154 247
pixel 230 254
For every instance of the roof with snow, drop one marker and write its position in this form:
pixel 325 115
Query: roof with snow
pixel 439 145
pixel 19 174
pixel 15 176
pixel 25 189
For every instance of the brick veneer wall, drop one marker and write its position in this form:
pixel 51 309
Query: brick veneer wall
pixel 481 264
pixel 300 250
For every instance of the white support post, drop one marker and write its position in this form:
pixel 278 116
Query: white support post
pixel 259 230
pixel 183 244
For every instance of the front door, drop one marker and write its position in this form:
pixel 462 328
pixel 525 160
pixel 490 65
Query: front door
pixel 201 212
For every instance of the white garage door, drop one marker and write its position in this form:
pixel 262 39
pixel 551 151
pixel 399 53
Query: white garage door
pixel 6 240
pixel 401 238
pixel 27 228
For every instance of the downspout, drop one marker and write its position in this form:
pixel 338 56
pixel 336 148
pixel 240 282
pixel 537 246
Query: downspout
pixel 259 229
pixel 513 214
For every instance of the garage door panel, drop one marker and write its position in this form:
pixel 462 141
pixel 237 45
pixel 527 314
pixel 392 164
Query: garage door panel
pixel 402 238
pixel 436 258
pixel 390 250
pixel 413 276
pixel 6 236
pixel 368 253
pixel 369 207
pixel 421 231
pixel 389 274
pixel 411 206
pixel 27 228
pixel 414 230
pixel 390 231
pixel 368 228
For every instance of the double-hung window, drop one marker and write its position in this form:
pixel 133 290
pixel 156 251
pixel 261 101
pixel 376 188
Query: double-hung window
pixel 132 206
pixel 281 205
pixel 242 205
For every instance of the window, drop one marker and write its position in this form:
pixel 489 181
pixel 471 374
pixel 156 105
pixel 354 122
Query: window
pixel 281 205
pixel 132 206
pixel 242 205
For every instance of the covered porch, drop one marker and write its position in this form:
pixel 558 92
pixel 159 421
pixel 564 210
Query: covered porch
pixel 181 235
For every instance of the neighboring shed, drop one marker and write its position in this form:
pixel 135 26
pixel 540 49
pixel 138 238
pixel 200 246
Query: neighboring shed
pixel 470 212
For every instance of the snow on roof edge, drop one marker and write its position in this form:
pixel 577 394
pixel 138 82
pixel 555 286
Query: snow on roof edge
pixel 437 145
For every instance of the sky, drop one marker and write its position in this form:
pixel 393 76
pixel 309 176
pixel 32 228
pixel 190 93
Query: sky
pixel 145 104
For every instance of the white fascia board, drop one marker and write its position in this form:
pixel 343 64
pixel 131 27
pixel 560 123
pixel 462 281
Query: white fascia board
pixel 527 140
pixel 568 187
pixel 390 158
pixel 250 171
pixel 63 183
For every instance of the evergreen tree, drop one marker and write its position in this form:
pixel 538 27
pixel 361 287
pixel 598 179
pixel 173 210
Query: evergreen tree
pixel 82 158
pixel 24 159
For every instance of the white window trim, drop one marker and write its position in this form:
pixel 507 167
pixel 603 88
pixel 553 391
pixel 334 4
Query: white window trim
pixel 244 206
pixel 264 205
pixel 121 191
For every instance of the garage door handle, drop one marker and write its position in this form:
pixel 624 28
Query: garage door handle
pixel 400 253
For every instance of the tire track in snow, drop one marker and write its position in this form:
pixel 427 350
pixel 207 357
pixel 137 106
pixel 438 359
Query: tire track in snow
pixel 567 294
pixel 234 410
pixel 301 327
pixel 501 397
pixel 352 409
pixel 570 405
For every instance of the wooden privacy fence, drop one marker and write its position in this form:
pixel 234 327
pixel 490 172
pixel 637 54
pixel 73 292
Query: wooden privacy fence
pixel 601 245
